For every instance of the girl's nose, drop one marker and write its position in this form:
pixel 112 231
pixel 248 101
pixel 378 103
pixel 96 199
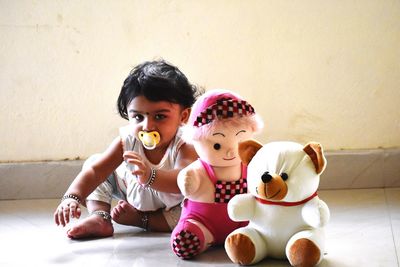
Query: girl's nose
pixel 148 124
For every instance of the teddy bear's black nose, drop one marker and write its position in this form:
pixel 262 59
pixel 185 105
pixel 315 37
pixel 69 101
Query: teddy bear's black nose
pixel 266 177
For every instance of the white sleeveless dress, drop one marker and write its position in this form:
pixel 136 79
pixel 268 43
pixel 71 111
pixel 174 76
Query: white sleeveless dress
pixel 123 185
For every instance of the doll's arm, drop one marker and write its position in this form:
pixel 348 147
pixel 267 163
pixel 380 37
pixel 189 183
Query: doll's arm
pixel 241 207
pixel 188 181
pixel 316 213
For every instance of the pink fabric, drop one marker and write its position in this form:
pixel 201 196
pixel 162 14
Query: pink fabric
pixel 224 191
pixel 221 225
pixel 211 173
pixel 209 170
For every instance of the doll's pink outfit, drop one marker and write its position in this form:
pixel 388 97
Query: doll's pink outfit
pixel 187 238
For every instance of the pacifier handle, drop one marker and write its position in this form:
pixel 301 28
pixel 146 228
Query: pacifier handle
pixel 149 139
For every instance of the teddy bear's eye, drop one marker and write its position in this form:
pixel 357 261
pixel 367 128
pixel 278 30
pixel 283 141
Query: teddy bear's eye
pixel 217 146
pixel 284 176
pixel 266 177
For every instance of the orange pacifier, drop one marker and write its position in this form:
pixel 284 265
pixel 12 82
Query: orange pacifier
pixel 149 139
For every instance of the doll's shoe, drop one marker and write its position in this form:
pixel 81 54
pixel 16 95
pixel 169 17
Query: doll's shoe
pixel 149 139
pixel 186 244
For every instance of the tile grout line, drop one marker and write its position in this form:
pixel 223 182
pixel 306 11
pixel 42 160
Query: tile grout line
pixel 363 170
pixel 391 225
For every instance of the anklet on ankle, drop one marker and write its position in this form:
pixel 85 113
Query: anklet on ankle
pixel 145 221
pixel 104 214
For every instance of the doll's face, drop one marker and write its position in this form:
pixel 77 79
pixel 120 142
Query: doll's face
pixel 219 147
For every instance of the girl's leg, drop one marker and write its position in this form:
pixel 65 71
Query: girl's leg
pixel 155 221
pixel 94 225
pixel 124 213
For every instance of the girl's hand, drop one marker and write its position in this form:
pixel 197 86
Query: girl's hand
pixel 68 208
pixel 141 170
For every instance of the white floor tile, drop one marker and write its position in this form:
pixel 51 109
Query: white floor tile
pixel 359 233
pixel 363 231
pixel 393 199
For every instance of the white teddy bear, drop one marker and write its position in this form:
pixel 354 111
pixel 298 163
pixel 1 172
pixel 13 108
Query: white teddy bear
pixel 286 216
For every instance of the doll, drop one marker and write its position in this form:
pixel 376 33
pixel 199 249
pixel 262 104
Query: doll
pixel 219 120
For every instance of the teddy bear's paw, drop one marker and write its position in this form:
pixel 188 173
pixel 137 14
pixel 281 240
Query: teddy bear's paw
pixel 186 244
pixel 240 249
pixel 304 253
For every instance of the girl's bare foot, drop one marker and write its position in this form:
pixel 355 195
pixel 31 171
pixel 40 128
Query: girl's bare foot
pixel 92 226
pixel 124 213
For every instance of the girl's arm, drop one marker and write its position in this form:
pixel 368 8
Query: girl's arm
pixel 166 181
pixel 87 181
pixel 90 178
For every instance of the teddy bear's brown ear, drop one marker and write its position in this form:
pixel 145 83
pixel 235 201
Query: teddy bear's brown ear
pixel 247 150
pixel 315 152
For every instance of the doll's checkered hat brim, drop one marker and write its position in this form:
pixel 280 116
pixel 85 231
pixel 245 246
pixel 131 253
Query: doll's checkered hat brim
pixel 223 108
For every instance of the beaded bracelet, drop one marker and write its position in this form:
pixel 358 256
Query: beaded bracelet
pixel 151 179
pixel 71 196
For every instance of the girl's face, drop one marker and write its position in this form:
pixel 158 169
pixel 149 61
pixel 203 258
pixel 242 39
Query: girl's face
pixel 220 147
pixel 163 117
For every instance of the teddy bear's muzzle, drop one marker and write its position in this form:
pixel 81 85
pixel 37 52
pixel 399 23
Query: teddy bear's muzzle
pixel 272 187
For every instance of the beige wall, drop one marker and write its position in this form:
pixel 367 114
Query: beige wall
pixel 315 70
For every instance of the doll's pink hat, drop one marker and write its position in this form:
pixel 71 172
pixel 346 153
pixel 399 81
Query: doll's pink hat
pixel 218 103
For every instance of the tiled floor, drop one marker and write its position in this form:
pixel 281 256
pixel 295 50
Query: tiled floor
pixel 364 231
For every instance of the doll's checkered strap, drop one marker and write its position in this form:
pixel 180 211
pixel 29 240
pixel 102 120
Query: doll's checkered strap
pixel 224 190
pixel 224 108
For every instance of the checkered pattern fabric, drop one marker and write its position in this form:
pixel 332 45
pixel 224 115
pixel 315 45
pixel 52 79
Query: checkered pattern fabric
pixel 224 191
pixel 224 108
pixel 186 244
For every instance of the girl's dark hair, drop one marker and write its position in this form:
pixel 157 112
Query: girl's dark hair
pixel 157 81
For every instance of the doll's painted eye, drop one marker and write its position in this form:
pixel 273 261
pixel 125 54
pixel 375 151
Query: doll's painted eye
pixel 217 146
pixel 284 176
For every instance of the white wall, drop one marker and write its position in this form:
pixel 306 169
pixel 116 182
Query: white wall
pixel 315 70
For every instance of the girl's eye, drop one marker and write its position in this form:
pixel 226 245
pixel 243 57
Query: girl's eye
pixel 138 117
pixel 160 117
pixel 284 176
pixel 217 146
